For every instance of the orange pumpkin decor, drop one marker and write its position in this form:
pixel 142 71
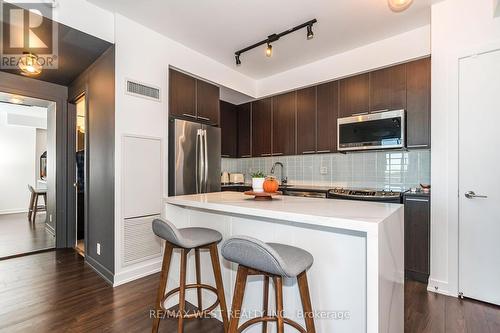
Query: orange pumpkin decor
pixel 271 185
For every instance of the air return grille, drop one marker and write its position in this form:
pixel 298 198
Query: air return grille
pixel 142 90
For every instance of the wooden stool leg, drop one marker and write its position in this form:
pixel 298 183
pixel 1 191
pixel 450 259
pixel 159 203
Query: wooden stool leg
pixel 35 208
pixel 278 285
pixel 214 256
pixel 266 303
pixel 167 256
pixel 306 302
pixel 239 292
pixel 198 277
pixel 182 291
pixel 30 208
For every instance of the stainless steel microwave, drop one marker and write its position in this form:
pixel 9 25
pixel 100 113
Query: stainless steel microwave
pixel 381 130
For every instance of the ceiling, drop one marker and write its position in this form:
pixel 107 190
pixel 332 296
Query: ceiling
pixel 76 52
pixel 218 28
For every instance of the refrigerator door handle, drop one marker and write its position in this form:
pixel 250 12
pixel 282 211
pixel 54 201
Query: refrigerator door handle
pixel 199 160
pixel 205 145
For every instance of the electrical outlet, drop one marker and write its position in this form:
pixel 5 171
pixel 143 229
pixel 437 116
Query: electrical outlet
pixel 98 249
pixel 323 170
pixel 50 217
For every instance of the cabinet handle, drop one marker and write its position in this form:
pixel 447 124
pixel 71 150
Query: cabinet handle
pixel 417 146
pixel 359 114
pixel 378 111
pixel 265 154
pixel 324 151
pixel 189 115
pixel 246 156
pixel 309 152
pixel 419 200
pixel 204 118
pixel 277 154
pixel 225 155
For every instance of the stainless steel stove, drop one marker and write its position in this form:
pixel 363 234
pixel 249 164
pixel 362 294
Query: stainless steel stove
pixel 365 194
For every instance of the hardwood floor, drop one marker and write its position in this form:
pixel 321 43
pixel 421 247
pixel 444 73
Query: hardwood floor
pixel 56 292
pixel 18 235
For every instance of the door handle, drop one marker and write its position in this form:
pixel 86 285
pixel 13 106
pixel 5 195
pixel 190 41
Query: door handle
pixel 205 147
pixel 472 195
pixel 199 161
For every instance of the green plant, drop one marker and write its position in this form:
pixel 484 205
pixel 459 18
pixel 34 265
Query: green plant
pixel 258 174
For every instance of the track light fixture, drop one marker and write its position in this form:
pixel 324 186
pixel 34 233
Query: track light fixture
pixel 274 37
pixel 310 33
pixel 269 50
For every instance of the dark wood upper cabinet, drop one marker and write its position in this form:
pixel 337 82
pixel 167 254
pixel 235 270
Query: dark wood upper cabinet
pixel 418 109
pixel 182 94
pixel 388 88
pixel 284 124
pixel 207 102
pixel 354 93
pixel 417 237
pixel 306 120
pixel 244 130
pixel 261 127
pixel 229 129
pixel 327 115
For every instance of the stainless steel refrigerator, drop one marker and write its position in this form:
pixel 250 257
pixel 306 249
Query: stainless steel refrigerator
pixel 194 158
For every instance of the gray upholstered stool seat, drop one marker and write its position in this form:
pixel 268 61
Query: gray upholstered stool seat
pixel 272 258
pixel 188 238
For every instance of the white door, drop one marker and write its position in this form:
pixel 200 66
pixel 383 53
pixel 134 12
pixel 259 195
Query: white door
pixel 479 177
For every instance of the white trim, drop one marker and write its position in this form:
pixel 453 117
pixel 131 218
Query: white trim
pixel 439 287
pixel 134 273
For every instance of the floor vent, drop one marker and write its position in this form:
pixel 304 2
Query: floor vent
pixel 141 90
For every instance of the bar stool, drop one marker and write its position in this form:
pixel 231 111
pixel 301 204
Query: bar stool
pixel 34 208
pixel 276 261
pixel 188 239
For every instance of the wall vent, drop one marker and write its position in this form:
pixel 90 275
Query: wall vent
pixel 139 241
pixel 143 90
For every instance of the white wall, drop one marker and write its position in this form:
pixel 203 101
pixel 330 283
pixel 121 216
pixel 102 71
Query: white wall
pixel 459 27
pixel 144 55
pixel 400 48
pixel 17 167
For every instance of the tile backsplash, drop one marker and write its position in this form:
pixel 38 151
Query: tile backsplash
pixel 394 170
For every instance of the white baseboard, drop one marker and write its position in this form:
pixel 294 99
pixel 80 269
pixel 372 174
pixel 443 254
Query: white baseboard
pixel 137 272
pixel 13 211
pixel 439 287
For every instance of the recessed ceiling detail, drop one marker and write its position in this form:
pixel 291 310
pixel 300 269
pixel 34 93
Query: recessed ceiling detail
pixel 216 28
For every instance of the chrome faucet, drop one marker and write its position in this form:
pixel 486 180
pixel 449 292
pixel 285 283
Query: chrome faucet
pixel 284 180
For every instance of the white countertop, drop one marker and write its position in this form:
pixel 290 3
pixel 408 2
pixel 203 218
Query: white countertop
pixel 344 214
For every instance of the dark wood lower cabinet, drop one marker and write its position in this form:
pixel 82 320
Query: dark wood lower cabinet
pixel 417 236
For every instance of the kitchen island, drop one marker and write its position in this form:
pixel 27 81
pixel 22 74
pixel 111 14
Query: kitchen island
pixel 357 278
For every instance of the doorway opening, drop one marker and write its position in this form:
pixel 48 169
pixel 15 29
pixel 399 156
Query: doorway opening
pixel 80 174
pixel 27 175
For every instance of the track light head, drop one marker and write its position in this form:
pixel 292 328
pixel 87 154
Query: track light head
pixel 310 33
pixel 238 61
pixel 269 50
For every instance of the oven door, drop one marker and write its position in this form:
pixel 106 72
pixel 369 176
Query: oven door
pixel 382 130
